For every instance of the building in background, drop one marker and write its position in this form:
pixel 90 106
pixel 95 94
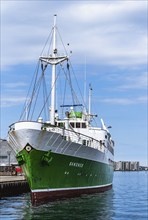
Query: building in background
pixel 126 165
pixel 7 154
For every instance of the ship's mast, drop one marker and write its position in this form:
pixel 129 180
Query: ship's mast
pixel 53 60
pixel 53 86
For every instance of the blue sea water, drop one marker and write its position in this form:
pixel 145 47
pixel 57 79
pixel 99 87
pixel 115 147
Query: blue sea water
pixel 128 200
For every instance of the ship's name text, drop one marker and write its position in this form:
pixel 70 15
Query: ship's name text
pixel 75 164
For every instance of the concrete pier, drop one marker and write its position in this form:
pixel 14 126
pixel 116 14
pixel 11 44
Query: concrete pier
pixel 13 185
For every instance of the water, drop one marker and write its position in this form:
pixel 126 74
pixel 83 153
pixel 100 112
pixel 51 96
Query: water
pixel 128 200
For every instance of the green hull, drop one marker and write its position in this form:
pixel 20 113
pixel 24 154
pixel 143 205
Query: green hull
pixel 49 170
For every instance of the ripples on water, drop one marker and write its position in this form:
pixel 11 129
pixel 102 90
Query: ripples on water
pixel 128 200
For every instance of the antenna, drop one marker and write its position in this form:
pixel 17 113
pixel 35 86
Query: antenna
pixel 89 99
pixel 85 87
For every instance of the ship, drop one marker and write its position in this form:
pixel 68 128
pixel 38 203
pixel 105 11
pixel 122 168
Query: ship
pixel 63 154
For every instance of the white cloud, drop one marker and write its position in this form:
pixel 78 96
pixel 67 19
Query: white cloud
pixel 126 101
pixel 14 85
pixel 110 32
pixel 135 81
pixel 12 101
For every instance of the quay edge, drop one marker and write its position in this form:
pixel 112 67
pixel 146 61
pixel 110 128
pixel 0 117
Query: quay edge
pixel 13 186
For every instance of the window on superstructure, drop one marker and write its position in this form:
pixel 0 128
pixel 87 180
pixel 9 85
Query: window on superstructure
pixel 77 125
pixel 84 142
pixel 83 125
pixel 61 125
pixel 72 124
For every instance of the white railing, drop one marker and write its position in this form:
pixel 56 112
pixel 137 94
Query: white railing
pixel 79 138
pixel 68 135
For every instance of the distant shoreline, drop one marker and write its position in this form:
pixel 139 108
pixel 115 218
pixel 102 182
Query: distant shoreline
pixel 131 170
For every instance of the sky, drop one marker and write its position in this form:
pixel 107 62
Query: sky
pixel 109 41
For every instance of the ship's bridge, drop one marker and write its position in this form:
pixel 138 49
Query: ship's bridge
pixel 73 120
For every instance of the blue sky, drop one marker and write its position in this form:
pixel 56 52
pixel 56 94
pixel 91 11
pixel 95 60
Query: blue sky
pixel 112 37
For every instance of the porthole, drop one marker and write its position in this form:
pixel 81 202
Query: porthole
pixel 28 148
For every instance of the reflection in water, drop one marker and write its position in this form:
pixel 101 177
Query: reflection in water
pixel 96 206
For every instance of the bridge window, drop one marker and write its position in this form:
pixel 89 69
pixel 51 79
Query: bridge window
pixel 83 125
pixel 61 125
pixel 72 124
pixel 77 125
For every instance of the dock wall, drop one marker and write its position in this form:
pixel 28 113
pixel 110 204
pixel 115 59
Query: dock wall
pixel 13 186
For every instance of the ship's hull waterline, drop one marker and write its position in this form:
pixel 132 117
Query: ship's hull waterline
pixel 48 195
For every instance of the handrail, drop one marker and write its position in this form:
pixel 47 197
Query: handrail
pixel 63 130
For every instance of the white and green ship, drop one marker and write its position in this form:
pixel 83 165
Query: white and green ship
pixel 63 156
